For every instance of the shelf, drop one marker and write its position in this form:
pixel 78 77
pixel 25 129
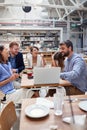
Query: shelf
pixel 42 35
pixel 48 39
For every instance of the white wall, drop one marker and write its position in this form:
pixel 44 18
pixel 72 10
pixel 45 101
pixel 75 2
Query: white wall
pixel 73 37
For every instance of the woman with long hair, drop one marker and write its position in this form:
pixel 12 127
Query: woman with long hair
pixel 7 78
pixel 35 59
pixel 58 60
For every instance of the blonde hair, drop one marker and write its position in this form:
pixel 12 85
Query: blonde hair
pixel 13 43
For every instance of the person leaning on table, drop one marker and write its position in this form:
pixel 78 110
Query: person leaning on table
pixel 75 70
pixel 7 78
pixel 58 60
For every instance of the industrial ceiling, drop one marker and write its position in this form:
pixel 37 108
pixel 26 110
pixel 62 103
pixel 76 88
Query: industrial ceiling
pixel 41 11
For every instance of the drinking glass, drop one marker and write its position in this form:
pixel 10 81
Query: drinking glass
pixel 43 91
pixel 62 91
pixel 58 103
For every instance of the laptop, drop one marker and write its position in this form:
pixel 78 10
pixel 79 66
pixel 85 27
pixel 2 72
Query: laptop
pixel 45 75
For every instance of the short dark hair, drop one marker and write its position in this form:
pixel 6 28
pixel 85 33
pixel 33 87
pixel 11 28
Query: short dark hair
pixel 13 43
pixel 1 57
pixel 68 43
pixel 31 49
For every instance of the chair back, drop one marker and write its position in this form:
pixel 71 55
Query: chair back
pixel 8 116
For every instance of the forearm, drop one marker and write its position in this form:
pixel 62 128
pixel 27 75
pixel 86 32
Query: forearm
pixel 76 71
pixel 69 76
pixel 2 83
pixel 9 79
pixel 65 82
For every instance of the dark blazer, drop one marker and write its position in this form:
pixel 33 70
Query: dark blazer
pixel 19 62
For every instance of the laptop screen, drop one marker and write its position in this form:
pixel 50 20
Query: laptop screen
pixel 45 75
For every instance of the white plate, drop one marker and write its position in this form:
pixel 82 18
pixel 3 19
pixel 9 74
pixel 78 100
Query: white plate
pixel 45 102
pixel 79 119
pixel 83 105
pixel 36 111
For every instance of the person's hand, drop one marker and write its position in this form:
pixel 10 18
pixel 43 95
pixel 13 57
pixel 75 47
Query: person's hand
pixel 14 76
pixel 14 70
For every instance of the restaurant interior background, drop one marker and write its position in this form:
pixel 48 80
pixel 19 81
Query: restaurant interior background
pixel 44 21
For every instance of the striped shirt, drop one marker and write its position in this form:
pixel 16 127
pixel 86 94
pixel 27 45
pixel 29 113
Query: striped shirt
pixel 75 72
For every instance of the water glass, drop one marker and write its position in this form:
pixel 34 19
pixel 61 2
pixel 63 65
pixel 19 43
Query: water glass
pixel 62 91
pixel 58 104
pixel 43 91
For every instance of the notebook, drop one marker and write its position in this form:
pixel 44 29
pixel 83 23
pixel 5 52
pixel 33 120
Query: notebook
pixel 45 75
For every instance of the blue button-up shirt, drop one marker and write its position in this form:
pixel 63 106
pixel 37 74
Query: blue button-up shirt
pixel 13 63
pixel 75 72
pixel 5 73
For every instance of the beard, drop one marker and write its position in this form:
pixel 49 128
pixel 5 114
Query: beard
pixel 66 54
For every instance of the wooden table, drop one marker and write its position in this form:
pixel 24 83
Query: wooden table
pixel 27 123
pixel 29 83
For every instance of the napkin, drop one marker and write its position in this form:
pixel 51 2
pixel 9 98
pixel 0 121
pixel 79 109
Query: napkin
pixel 45 102
pixel 79 119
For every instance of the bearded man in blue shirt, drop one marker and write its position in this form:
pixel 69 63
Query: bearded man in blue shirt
pixel 75 70
pixel 16 60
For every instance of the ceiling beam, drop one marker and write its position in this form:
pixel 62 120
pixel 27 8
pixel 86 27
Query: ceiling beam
pixel 75 9
pixel 41 5
pixel 66 11
pixel 73 2
pixel 58 13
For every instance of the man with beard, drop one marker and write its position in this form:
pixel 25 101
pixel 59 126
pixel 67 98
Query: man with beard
pixel 74 70
pixel 16 60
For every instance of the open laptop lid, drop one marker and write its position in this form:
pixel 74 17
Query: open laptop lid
pixel 45 75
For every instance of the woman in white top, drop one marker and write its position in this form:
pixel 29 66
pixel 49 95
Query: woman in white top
pixel 35 59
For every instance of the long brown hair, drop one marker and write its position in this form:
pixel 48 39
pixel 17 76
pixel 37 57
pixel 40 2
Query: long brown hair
pixel 31 49
pixel 1 57
pixel 60 59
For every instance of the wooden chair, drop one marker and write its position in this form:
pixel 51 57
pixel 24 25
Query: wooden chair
pixel 8 116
